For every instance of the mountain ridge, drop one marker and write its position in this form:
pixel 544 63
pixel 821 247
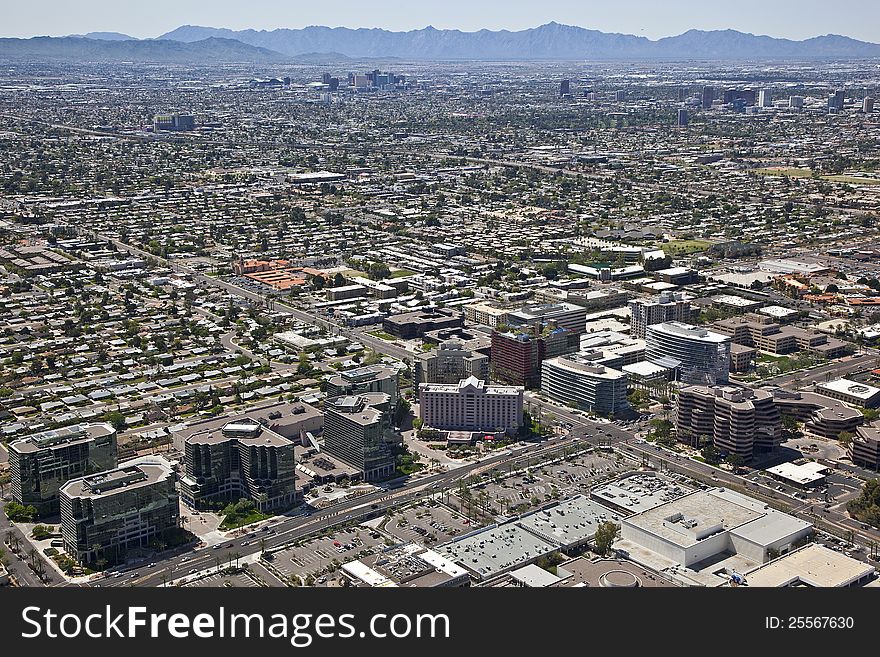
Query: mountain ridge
pixel 550 41
pixel 74 48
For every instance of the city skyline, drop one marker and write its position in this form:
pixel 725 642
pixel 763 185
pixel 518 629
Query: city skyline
pixel 786 19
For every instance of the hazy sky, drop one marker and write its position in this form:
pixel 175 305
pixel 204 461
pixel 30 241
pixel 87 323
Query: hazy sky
pixel 796 19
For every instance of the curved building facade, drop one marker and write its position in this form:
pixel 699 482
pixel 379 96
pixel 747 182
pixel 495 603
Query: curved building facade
pixel 703 357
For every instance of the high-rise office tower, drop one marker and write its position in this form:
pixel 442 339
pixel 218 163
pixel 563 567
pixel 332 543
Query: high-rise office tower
pixel 868 105
pixel 565 88
pixel 835 100
pixel 765 98
pixel 708 97
pixel 796 102
pixel 359 430
pixel 700 356
pixel 104 515
pixel 42 462
pixel 682 118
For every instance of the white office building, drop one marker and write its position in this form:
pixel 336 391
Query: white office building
pixel 701 356
pixel 472 405
pixel 585 385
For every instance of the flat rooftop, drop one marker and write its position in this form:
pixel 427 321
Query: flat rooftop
pixel 608 573
pixel 813 565
pixel 134 474
pixel 854 389
pixel 695 517
pixel 689 332
pixel 493 551
pixel 497 549
pixel 570 522
pixel 807 473
pixel 60 437
pixel 236 430
pixel 639 492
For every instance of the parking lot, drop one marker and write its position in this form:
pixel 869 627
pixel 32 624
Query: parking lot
pixel 237 580
pixel 517 493
pixel 428 525
pixel 319 554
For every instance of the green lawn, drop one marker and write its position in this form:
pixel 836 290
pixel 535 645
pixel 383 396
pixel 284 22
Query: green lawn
pixel 852 180
pixel 792 172
pixel 241 521
pixel 382 335
pixel 400 273
pixel 685 246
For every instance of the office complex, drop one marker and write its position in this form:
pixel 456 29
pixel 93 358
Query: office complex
pixel 516 356
pixel 682 118
pixel 666 307
pixel 564 315
pixel 372 378
pixel 584 385
pixel 471 405
pixel 242 460
pixel 107 514
pixel 765 98
pixel 449 363
pixel 707 97
pixel 865 447
pixel 41 463
pixel 836 100
pixel 415 324
pixel 737 420
pixel 173 123
pixel 359 430
pixel 821 415
pixel 700 356
pixel 565 88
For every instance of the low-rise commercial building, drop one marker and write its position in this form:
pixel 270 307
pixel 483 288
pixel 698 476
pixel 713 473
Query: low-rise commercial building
pixel 104 515
pixel 408 565
pixel 565 315
pixel 699 527
pixel 814 566
pixel 851 392
pixel 415 324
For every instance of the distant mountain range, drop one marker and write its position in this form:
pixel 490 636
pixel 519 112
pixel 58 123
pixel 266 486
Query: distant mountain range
pixel 106 36
pixel 81 49
pixel 195 44
pixel 550 41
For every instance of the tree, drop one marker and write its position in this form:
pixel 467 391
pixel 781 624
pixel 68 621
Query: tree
pixel 711 454
pixel 606 534
pixel 866 508
pixel 401 411
pixel 736 462
pixel 19 513
pixel 845 438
